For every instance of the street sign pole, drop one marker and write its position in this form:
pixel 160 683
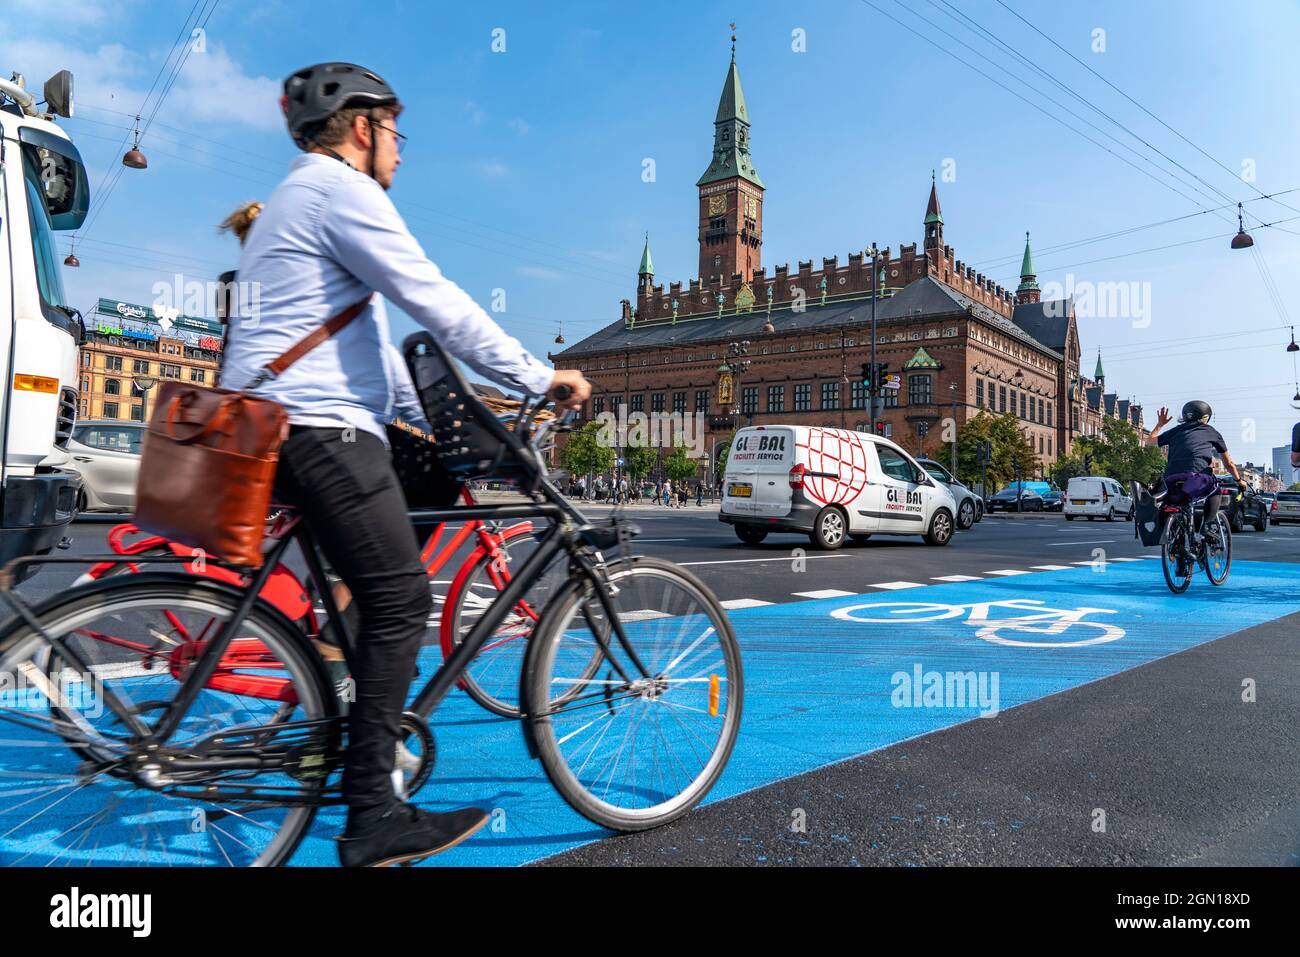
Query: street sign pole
pixel 873 387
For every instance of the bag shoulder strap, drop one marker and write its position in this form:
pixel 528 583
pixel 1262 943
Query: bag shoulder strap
pixel 316 337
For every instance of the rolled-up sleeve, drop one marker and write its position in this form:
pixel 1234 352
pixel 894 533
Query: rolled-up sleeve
pixel 368 236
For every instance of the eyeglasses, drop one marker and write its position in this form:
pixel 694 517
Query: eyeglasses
pixel 401 139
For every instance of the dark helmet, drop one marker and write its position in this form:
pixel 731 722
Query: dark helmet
pixel 1196 410
pixel 315 93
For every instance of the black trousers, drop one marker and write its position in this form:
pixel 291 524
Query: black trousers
pixel 353 503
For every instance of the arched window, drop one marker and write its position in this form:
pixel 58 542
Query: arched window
pixel 112 387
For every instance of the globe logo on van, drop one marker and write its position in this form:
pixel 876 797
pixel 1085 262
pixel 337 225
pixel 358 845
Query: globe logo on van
pixel 836 453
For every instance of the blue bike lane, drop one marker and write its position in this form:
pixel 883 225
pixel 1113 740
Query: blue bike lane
pixel 832 679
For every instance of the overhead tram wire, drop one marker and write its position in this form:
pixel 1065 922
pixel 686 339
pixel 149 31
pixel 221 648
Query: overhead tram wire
pixel 111 179
pixel 1078 96
pixel 1231 172
pixel 1036 106
pixel 189 48
pixel 1073 244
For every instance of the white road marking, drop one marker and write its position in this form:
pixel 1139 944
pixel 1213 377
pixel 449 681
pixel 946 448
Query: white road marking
pixel 744 603
pixel 1007 571
pixel 1100 541
pixel 1050 568
pixel 775 558
pixel 1125 559
pixel 661 539
pixel 894 586
pixel 956 578
pixel 1101 562
pixel 825 593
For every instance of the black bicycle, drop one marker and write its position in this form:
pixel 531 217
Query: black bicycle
pixel 1185 546
pixel 163 718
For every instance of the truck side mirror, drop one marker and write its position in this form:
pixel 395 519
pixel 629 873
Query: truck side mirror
pixel 58 93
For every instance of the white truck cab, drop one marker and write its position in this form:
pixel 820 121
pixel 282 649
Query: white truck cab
pixel 831 484
pixel 43 190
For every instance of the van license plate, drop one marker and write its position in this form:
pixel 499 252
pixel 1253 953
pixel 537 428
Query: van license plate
pixel 740 491
pixel 1079 501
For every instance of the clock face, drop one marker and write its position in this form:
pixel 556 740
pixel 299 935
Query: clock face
pixel 717 205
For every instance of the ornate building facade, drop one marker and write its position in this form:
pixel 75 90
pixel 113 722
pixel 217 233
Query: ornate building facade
pixel 740 345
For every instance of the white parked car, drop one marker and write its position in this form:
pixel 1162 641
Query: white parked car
pixel 830 484
pixel 107 454
pixel 1094 496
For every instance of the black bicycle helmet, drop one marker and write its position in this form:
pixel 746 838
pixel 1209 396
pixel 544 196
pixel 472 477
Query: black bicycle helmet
pixel 1196 410
pixel 315 93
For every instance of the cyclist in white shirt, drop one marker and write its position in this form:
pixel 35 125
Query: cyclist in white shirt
pixel 329 237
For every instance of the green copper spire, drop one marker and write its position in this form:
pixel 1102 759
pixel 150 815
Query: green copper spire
pixel 1100 373
pixel 1028 277
pixel 932 212
pixel 647 267
pixel 731 132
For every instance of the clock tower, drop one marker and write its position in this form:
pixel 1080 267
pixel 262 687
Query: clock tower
pixel 731 193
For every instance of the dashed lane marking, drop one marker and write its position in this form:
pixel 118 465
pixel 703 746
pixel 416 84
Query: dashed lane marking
pixel 894 586
pixel 1050 568
pixel 825 593
pixel 956 578
pixel 1007 572
pixel 745 603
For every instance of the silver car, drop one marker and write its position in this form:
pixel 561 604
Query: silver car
pixel 107 454
pixel 1287 508
pixel 970 509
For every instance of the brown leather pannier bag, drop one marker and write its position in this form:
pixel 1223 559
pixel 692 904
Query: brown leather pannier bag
pixel 209 459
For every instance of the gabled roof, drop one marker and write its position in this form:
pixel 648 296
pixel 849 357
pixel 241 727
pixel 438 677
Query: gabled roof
pixel 1094 397
pixel 1111 400
pixel 1048 322
pixel 925 297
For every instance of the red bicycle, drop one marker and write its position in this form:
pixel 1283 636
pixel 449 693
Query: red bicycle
pixel 492 679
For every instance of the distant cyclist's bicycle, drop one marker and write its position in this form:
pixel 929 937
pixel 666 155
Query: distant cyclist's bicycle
pixel 174 719
pixel 1184 546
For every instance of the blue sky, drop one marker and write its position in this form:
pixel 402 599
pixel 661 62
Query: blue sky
pixel 524 167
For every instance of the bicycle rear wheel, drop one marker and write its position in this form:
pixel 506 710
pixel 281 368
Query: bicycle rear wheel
pixel 492 678
pixel 634 749
pixel 1218 550
pixel 73 788
pixel 1178 570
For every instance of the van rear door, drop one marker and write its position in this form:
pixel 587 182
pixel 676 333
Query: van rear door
pixel 758 472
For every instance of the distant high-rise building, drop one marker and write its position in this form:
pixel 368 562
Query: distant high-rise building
pixel 1282 465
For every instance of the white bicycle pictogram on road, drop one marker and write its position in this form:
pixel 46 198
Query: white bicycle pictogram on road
pixel 1043 621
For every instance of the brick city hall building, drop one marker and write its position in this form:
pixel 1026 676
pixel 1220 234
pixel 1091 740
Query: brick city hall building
pixel 958 341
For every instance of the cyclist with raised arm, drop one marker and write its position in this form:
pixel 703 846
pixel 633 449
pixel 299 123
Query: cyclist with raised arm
pixel 330 237
pixel 1193 445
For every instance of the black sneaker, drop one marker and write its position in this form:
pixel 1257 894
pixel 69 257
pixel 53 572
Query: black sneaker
pixel 405 834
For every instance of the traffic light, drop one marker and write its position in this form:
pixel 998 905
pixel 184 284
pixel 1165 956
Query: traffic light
pixel 880 428
pixel 866 373
pixel 876 374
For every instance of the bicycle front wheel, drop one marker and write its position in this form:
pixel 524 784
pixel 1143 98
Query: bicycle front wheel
pixel 1218 550
pixel 643 740
pixel 74 787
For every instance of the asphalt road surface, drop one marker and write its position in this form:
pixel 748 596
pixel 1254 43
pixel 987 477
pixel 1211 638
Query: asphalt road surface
pixel 1125 725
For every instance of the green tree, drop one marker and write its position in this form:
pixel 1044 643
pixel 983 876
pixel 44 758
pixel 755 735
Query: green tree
pixel 1118 453
pixel 1293 487
pixel 638 460
pixel 1008 443
pixel 679 466
pixel 583 454
pixel 720 453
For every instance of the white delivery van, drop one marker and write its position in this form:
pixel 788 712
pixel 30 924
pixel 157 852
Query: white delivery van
pixel 1097 497
pixel 830 484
